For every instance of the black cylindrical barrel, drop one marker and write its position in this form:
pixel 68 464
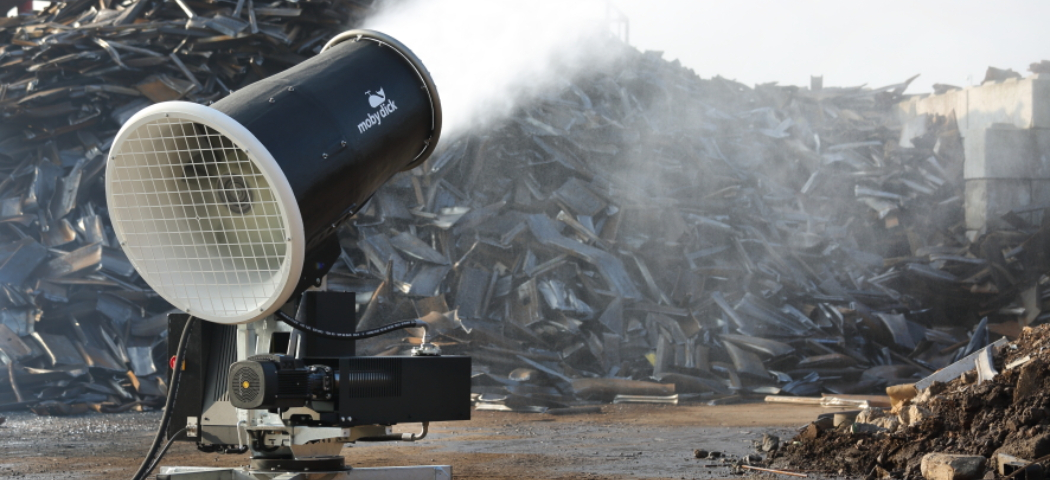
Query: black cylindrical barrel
pixel 230 210
pixel 342 123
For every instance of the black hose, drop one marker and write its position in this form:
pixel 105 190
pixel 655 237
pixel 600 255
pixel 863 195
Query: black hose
pixel 148 463
pixel 352 335
pixel 164 450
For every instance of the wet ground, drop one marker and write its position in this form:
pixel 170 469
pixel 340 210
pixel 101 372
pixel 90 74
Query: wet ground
pixel 624 441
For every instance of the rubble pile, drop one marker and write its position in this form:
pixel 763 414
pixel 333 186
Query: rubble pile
pixel 78 328
pixel 646 227
pixel 1000 424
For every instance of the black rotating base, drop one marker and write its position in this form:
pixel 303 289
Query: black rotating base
pixel 324 464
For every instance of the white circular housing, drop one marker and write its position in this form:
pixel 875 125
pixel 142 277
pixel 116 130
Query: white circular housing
pixel 204 213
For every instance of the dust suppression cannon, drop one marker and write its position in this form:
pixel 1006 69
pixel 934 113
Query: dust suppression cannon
pixel 229 212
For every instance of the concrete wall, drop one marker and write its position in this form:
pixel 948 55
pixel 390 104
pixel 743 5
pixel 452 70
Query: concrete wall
pixel 1023 102
pixel 1003 151
pixel 1006 137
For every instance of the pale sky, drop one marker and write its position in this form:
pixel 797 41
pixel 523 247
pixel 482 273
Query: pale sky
pixel 848 42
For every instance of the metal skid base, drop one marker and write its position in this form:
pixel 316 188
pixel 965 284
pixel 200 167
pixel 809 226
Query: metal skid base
pixel 421 472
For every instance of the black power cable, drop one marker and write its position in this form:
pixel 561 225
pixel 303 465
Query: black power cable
pixel 353 335
pixel 149 463
pixel 160 455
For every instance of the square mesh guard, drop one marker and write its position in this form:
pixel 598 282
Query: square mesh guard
pixel 198 219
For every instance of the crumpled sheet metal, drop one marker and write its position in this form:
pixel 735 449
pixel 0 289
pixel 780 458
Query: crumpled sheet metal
pixel 638 224
pixel 79 330
pixel 646 224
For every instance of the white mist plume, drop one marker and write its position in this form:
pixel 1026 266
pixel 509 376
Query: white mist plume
pixel 488 55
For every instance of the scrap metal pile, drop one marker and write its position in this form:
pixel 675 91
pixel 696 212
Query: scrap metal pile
pixel 644 233
pixel 78 328
pixel 640 233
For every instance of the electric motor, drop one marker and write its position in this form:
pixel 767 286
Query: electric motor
pixel 278 382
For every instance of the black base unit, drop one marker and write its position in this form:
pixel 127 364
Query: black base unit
pixel 362 390
pixel 389 390
pixel 210 350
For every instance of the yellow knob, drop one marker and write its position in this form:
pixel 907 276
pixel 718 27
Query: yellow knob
pixel 245 384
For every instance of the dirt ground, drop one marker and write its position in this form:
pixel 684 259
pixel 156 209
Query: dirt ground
pixel 624 441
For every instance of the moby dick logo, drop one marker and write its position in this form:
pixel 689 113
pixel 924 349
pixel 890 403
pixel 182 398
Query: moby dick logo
pixel 374 99
pixel 385 106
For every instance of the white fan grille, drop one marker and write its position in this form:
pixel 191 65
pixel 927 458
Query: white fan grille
pixel 198 219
